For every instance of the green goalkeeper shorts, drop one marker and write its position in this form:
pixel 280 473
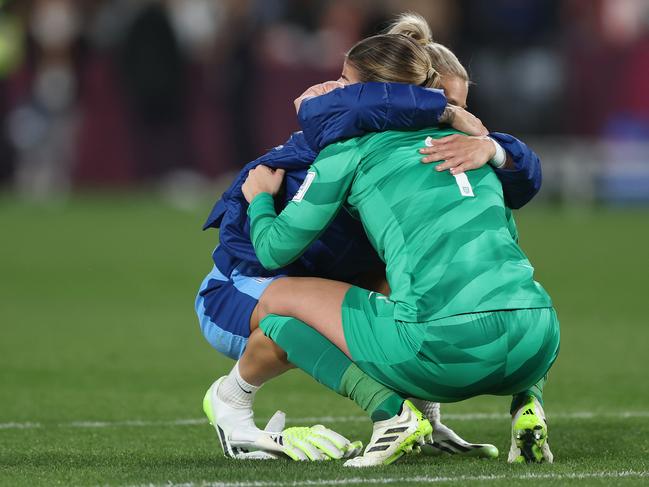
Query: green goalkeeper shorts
pixel 454 358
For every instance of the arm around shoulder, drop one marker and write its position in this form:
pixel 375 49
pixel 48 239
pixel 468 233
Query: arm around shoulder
pixel 280 239
pixel 522 177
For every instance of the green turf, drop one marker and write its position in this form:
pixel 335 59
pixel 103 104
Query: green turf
pixel 97 324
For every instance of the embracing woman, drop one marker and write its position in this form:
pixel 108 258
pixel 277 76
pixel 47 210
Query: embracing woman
pixel 464 316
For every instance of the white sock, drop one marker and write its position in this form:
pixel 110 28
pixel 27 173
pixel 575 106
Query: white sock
pixel 429 409
pixel 236 391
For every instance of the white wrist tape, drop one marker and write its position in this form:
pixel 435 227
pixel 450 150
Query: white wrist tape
pixel 500 158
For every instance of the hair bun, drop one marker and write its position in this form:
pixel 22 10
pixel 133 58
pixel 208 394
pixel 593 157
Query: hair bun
pixel 414 26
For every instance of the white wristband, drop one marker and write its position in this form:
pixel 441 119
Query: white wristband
pixel 500 158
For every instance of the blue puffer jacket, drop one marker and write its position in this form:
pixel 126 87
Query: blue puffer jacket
pixel 343 250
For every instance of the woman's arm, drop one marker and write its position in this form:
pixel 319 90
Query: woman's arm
pixel 327 115
pixel 521 177
pixel 280 239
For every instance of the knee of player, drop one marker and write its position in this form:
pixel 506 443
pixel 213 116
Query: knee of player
pixel 271 301
pixel 264 306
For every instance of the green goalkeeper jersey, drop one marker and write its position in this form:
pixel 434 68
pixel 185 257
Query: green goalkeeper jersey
pixel 449 243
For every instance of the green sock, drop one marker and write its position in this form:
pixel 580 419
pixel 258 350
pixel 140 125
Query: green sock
pixel 379 401
pixel 535 391
pixel 322 360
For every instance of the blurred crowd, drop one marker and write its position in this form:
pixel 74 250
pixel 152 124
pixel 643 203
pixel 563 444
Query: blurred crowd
pixel 122 92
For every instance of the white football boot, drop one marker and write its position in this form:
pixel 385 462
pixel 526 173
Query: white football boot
pixel 241 439
pixel 236 429
pixel 530 435
pixel 447 441
pixel 394 437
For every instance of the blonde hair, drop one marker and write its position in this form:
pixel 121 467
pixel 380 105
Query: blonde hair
pixel 412 25
pixel 445 62
pixel 401 57
pixel 442 58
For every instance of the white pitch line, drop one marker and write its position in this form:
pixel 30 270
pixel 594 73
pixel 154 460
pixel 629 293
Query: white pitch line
pixel 132 422
pixel 577 415
pixel 19 426
pixel 416 479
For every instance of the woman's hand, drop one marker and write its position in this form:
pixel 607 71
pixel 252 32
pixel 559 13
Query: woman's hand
pixel 461 120
pixel 317 90
pixel 460 153
pixel 262 179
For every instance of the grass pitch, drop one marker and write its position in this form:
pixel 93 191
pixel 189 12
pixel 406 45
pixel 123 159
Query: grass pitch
pixel 103 368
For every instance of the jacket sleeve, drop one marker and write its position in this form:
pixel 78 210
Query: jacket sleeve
pixel 280 239
pixel 362 108
pixel 523 182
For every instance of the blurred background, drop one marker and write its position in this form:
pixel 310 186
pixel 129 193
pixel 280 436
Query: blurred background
pixel 178 94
